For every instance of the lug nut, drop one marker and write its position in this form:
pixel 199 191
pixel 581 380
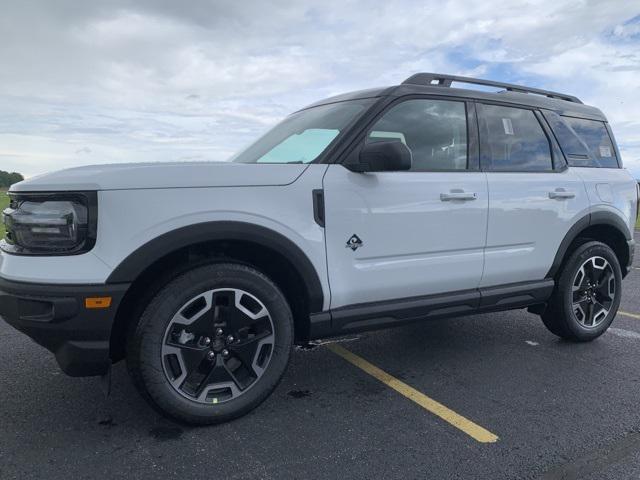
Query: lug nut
pixel 211 356
pixel 207 341
pixel 225 353
pixel 231 339
pixel 219 332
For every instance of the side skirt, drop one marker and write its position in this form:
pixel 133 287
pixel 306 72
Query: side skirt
pixel 389 313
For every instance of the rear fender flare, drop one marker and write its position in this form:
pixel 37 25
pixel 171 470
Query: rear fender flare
pixel 593 218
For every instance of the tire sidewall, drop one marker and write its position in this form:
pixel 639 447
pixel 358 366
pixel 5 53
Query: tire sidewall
pixel 156 318
pixel 577 259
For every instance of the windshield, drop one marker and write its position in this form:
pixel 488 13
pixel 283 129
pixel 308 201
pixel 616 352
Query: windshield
pixel 303 136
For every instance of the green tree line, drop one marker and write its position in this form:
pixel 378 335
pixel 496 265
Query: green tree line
pixel 7 179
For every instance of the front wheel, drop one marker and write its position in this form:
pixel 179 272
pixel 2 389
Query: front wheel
pixel 212 344
pixel 587 294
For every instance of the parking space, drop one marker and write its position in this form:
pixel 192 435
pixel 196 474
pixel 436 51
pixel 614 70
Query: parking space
pixel 491 396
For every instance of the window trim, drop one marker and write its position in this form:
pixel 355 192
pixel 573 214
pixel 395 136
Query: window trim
pixel 473 144
pixel 554 150
pixel 558 158
pixel 334 153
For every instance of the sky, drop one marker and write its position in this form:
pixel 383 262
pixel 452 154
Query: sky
pixel 88 82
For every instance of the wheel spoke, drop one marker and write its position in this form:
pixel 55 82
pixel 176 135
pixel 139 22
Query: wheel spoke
pixel 590 317
pixel 193 357
pixel 602 279
pixel 602 287
pixel 198 370
pixel 246 350
pixel 580 281
pixel 193 310
pixel 172 358
pixel 229 311
pixel 600 312
pixel 579 297
pixel 218 374
pixel 579 312
pixel 588 270
pixel 584 306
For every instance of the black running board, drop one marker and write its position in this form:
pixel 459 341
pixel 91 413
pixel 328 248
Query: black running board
pixel 374 315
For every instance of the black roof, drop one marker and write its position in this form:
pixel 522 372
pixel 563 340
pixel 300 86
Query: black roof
pixel 440 84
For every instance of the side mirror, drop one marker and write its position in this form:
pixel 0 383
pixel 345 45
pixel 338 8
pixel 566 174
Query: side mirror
pixel 382 156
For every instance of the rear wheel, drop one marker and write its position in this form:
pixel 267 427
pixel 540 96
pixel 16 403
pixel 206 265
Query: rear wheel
pixel 587 294
pixel 212 344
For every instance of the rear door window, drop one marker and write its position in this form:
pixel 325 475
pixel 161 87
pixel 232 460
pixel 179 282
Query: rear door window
pixel 512 139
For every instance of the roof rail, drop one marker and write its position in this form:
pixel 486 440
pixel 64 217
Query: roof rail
pixel 443 80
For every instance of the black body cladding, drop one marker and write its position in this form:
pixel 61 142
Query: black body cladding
pixel 55 317
pixel 370 316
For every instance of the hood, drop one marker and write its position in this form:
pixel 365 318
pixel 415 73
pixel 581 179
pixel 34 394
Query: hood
pixel 131 176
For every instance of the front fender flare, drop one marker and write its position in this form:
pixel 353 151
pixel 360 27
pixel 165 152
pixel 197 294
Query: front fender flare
pixel 146 255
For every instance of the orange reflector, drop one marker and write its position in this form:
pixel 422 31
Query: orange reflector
pixel 97 302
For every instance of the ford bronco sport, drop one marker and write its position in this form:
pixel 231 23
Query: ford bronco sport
pixel 367 210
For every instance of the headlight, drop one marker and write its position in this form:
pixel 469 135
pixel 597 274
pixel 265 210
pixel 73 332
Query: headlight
pixel 50 223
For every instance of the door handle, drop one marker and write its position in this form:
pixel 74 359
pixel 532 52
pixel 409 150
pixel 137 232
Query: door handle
pixel 560 193
pixel 458 195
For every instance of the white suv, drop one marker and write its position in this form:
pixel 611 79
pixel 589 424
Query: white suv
pixel 366 210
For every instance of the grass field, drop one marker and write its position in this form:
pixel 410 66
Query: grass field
pixel 4 203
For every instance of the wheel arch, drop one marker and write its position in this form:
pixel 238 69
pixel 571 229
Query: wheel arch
pixel 603 226
pixel 154 264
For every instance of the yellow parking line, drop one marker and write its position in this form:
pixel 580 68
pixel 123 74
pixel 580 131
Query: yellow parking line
pixel 627 314
pixel 467 426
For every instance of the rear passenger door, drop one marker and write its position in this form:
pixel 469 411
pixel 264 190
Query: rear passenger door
pixel 534 199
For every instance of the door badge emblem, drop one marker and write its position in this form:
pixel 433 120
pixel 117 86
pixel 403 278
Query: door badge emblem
pixel 354 242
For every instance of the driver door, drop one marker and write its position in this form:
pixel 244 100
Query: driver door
pixel 396 235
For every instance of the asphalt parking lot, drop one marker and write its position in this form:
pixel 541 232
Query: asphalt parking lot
pixel 491 396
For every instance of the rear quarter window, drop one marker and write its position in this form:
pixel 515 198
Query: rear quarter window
pixel 585 143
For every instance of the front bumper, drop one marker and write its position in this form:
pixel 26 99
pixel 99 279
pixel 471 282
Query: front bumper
pixel 55 317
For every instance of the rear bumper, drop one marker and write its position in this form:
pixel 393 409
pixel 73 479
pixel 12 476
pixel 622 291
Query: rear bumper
pixel 632 247
pixel 55 317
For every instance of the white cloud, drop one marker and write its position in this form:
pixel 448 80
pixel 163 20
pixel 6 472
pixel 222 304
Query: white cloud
pixel 95 82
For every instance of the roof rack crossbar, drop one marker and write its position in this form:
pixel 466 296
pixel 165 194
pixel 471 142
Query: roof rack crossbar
pixel 443 80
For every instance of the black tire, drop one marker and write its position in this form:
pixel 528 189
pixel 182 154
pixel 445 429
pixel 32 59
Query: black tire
pixel 560 316
pixel 147 360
